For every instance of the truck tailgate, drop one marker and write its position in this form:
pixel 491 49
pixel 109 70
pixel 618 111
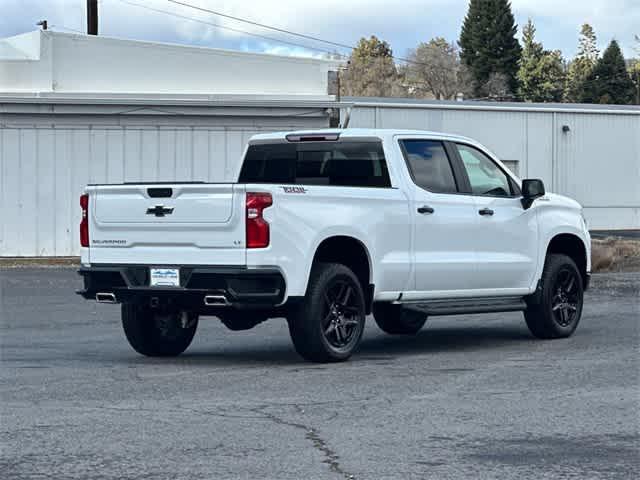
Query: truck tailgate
pixel 167 224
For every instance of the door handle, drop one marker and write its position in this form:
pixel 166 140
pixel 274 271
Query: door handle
pixel 485 211
pixel 425 209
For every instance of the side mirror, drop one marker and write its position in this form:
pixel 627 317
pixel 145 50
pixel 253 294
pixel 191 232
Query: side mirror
pixel 531 189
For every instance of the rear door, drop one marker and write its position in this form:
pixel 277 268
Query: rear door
pixel 505 235
pixel 170 224
pixel 443 250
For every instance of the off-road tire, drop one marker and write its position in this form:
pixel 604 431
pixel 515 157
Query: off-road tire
pixel 156 334
pixel 542 315
pixel 311 322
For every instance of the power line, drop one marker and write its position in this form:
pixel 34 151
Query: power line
pixel 282 30
pixel 224 27
pixel 265 37
pixel 269 27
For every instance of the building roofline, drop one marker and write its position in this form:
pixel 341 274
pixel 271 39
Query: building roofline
pixel 493 106
pixel 175 46
pixel 201 48
pixel 293 101
pixel 190 100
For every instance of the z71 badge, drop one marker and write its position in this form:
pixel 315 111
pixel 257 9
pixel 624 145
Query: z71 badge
pixel 294 189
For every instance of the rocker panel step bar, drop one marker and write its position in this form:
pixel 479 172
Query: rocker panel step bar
pixel 467 305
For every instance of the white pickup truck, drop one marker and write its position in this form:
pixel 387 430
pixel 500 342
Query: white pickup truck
pixel 325 227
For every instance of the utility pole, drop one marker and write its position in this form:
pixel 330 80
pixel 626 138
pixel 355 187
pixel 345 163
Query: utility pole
pixel 92 17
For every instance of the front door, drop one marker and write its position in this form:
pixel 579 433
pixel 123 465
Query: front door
pixel 506 235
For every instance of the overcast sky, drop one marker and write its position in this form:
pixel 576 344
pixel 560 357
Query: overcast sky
pixel 402 23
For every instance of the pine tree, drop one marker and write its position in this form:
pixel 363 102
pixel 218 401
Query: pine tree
pixel 552 77
pixel 587 44
pixel 634 70
pixel 488 42
pixel 371 71
pixel 609 81
pixel 582 65
pixel 541 74
pixel 529 61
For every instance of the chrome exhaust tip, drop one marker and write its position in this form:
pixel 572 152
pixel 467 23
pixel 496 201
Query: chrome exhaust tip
pixel 216 301
pixel 105 297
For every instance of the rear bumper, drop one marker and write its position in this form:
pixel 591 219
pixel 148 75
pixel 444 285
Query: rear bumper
pixel 240 287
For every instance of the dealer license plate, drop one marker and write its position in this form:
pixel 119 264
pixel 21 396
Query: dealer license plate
pixel 164 277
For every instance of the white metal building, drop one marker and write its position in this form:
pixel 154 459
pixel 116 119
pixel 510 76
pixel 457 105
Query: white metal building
pixel 76 109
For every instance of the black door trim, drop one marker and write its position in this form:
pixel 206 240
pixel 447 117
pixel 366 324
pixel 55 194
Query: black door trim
pixel 459 172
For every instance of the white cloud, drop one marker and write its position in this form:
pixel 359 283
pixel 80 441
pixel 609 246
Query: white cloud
pixel 338 21
pixel 318 18
pixel 403 24
pixel 289 51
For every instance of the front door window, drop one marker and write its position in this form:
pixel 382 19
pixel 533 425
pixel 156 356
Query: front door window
pixel 485 176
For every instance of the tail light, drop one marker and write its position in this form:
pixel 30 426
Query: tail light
pixel 257 226
pixel 84 223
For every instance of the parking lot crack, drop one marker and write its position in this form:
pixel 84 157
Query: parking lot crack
pixel 331 458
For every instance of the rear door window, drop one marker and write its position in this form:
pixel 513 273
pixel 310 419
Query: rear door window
pixel 342 163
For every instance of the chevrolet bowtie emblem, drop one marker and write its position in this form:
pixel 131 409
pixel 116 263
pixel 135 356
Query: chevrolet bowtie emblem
pixel 159 211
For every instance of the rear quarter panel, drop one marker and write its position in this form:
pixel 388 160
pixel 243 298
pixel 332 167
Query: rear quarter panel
pixel 377 217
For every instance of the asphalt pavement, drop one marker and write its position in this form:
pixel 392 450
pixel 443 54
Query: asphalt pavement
pixel 469 397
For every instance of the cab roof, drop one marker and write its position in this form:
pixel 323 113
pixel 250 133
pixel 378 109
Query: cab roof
pixel 381 133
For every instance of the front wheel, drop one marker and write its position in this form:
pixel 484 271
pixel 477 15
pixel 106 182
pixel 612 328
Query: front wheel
pixel 557 312
pixel 156 333
pixel 328 325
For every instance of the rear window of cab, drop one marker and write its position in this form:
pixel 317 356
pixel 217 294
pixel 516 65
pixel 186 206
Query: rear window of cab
pixel 341 163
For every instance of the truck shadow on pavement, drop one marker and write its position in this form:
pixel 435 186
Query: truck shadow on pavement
pixel 380 347
pixel 439 339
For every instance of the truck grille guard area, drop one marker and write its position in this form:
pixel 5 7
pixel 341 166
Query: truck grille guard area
pixel 201 287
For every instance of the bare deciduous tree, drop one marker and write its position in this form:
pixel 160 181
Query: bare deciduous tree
pixel 497 87
pixel 435 69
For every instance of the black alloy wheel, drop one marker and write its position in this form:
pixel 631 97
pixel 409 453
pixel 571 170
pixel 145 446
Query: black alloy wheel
pixel 340 314
pixel 566 298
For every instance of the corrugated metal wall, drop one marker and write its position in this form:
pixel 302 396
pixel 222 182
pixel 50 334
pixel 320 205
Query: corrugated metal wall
pixel 598 164
pixel 597 161
pixel 46 159
pixel 43 167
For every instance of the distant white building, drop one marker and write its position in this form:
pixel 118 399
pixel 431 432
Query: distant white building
pixel 77 109
pixel 53 62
